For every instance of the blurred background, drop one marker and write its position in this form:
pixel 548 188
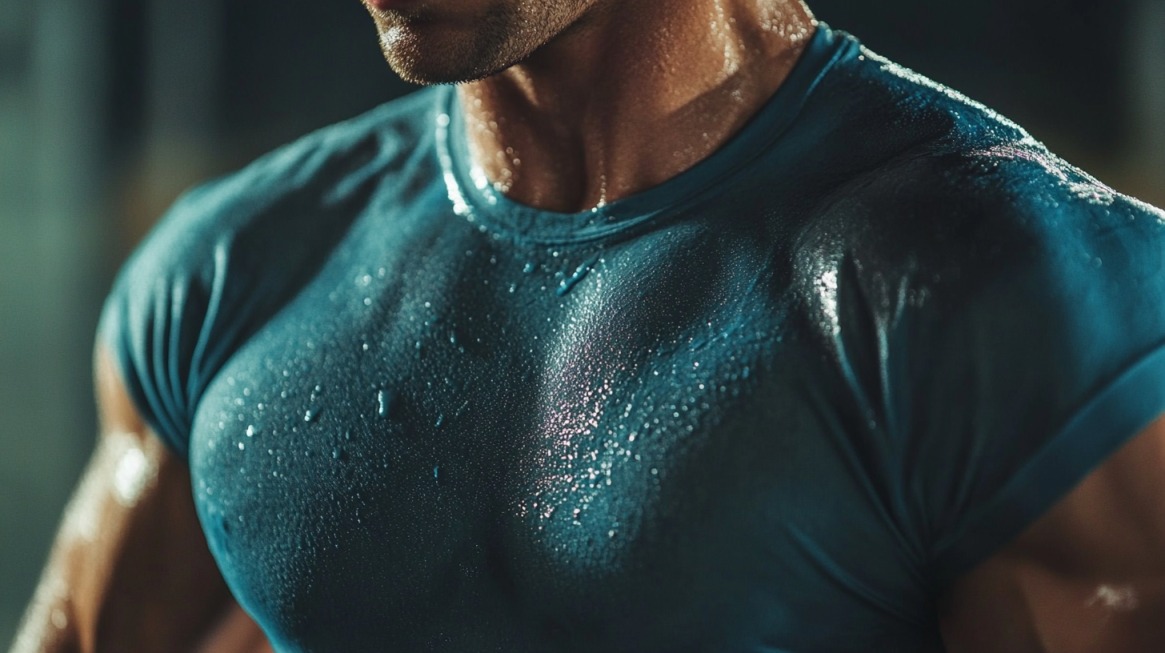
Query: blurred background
pixel 109 108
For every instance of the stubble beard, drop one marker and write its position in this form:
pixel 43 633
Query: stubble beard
pixel 423 51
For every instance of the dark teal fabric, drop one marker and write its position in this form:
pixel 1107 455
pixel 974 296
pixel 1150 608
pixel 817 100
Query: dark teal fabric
pixel 775 404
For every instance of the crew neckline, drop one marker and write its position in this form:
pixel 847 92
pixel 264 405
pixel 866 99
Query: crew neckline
pixel 480 203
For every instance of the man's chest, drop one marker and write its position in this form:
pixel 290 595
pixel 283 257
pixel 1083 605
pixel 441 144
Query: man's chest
pixel 558 447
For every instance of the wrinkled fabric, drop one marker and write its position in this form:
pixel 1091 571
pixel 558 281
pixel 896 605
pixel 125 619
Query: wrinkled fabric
pixel 776 403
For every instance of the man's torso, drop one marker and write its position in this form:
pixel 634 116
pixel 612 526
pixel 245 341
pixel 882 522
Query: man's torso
pixel 684 427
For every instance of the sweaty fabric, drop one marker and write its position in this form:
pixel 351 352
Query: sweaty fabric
pixel 776 403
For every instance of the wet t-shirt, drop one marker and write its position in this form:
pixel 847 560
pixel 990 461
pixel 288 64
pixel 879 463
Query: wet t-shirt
pixel 776 403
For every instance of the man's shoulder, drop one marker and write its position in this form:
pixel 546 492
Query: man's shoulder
pixel 245 242
pixel 299 194
pixel 869 114
pixel 929 190
pixel 926 178
pixel 323 162
pixel 971 222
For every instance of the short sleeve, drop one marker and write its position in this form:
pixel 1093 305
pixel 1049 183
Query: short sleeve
pixel 1018 368
pixel 153 319
pixel 232 252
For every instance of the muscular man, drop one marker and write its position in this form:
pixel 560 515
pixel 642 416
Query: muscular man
pixel 677 325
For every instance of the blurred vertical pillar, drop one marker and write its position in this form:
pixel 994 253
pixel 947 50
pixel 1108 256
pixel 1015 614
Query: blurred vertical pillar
pixel 183 45
pixel 1148 81
pixel 52 218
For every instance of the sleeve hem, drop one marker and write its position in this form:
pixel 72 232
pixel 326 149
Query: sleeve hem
pixel 1118 411
pixel 113 337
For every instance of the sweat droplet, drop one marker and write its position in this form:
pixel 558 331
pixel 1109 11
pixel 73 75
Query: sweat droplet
pixel 528 268
pixel 581 271
pixel 383 403
pixel 311 415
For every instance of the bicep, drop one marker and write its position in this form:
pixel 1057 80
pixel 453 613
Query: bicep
pixel 130 569
pixel 1089 575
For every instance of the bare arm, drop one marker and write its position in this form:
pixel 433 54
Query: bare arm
pixel 1087 576
pixel 130 569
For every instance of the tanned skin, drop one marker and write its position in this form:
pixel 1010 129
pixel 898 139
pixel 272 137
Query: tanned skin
pixel 579 102
pixel 572 103
pixel 1087 576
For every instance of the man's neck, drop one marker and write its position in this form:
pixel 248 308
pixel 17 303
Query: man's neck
pixel 631 95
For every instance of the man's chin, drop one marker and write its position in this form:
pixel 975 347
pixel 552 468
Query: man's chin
pixel 420 56
pixel 432 76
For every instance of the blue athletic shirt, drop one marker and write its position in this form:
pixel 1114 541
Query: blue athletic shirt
pixel 776 403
